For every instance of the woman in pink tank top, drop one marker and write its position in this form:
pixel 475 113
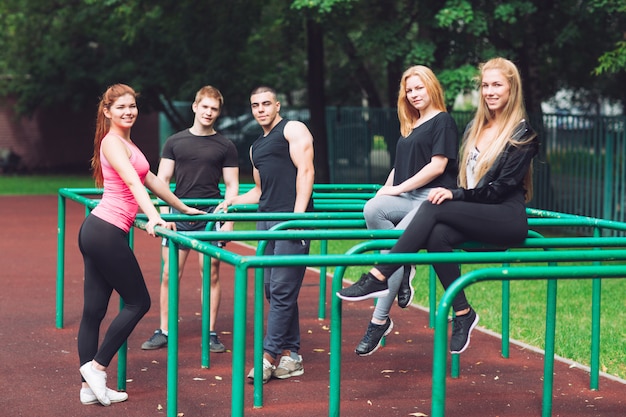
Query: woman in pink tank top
pixel 122 169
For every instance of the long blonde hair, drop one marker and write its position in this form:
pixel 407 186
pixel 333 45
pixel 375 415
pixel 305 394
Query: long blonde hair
pixel 407 114
pixel 513 113
pixel 103 124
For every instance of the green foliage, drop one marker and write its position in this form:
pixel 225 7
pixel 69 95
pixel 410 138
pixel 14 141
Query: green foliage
pixel 511 12
pixel 67 54
pixel 459 15
pixel 458 81
pixel 322 6
pixel 613 61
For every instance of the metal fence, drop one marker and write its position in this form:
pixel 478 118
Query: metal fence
pixel 580 169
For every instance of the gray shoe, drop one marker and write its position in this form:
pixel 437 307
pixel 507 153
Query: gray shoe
pixel 156 341
pixel 268 369
pixel 288 367
pixel 215 345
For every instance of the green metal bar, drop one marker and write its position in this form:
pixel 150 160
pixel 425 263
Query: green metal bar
pixel 526 273
pixel 334 386
pixel 205 348
pixel 548 363
pixel 506 315
pixel 172 338
pixel 259 307
pixel 321 304
pixel 596 304
pixel 60 284
pixel 239 339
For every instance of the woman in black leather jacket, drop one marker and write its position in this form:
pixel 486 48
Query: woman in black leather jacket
pixel 495 179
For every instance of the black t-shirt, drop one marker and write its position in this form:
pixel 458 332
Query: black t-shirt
pixel 198 162
pixel 437 136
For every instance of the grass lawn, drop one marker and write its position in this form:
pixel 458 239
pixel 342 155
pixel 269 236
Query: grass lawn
pixel 527 297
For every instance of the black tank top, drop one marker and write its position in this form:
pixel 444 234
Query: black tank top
pixel 270 156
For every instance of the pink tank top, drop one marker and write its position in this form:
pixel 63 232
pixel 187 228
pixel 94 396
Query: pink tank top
pixel 118 205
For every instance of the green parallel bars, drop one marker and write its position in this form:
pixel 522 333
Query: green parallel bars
pixel 551 273
pixel 312 261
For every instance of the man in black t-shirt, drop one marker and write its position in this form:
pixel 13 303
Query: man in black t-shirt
pixel 197 158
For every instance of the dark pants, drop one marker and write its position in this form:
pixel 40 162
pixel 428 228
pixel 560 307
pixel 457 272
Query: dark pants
pixel 282 287
pixel 110 265
pixel 441 228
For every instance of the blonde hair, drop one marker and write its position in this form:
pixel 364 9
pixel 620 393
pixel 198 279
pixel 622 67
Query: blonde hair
pixel 407 114
pixel 103 124
pixel 513 113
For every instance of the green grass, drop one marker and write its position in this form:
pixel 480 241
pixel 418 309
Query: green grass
pixel 527 297
pixel 41 184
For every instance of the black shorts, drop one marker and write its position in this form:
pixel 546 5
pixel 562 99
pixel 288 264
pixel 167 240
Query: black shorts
pixel 195 226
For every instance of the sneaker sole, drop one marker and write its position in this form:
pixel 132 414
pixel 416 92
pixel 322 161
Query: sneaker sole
pixel 469 335
pixel 289 375
pixel 410 298
pixel 152 347
pixel 95 401
pixel 376 294
pixel 411 276
pixel 379 342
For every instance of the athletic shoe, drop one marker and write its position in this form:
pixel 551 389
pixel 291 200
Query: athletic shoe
pixel 462 327
pixel 366 287
pixel 215 345
pixel 268 369
pixel 288 367
pixel 156 341
pixel 406 290
pixel 373 337
pixel 87 396
pixel 97 381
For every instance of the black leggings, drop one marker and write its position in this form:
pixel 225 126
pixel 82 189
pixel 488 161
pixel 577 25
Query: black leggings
pixel 110 265
pixel 441 228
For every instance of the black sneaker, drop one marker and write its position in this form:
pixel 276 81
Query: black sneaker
pixel 215 345
pixel 373 337
pixel 406 290
pixel 366 287
pixel 462 327
pixel 156 341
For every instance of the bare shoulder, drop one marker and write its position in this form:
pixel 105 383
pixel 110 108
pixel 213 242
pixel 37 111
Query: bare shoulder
pixel 295 129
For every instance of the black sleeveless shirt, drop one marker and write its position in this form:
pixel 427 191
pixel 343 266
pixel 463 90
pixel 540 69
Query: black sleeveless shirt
pixel 270 156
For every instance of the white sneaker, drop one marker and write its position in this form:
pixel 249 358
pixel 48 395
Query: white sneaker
pixel 87 396
pixel 97 381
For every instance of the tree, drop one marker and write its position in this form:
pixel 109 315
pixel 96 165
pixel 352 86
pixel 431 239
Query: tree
pixel 165 49
pixel 613 61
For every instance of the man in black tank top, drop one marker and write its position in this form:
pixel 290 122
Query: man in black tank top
pixel 282 162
